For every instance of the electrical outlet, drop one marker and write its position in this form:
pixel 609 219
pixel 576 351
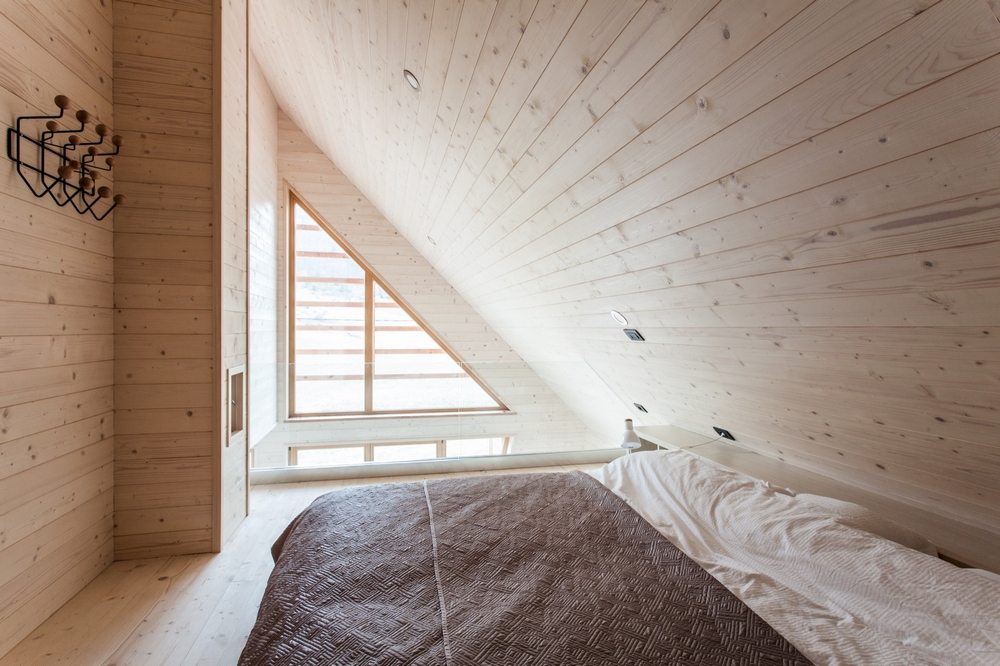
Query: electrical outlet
pixel 723 433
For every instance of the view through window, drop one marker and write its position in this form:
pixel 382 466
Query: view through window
pixel 315 455
pixel 356 349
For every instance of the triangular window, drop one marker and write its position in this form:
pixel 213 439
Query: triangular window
pixel 356 348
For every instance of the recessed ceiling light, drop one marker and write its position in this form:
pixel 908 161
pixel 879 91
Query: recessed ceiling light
pixel 412 79
pixel 619 317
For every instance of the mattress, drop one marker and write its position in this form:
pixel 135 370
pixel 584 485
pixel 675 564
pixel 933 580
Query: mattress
pixel 507 570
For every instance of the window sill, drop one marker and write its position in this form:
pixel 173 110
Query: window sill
pixel 396 415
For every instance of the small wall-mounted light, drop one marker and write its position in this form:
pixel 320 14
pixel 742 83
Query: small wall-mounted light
pixel 634 335
pixel 619 317
pixel 412 79
pixel 630 440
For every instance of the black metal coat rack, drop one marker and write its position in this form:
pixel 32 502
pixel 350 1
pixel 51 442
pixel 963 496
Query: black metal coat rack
pixel 68 171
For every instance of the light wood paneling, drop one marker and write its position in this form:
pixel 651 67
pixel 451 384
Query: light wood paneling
pixel 231 68
pixel 265 257
pixel 165 309
pixel 795 202
pixel 56 370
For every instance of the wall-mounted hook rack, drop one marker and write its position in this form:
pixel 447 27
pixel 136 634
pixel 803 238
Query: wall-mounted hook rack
pixel 67 171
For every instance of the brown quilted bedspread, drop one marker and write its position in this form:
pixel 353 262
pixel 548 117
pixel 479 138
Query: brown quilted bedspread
pixel 506 570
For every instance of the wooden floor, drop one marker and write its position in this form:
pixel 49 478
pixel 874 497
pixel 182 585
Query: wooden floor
pixel 190 609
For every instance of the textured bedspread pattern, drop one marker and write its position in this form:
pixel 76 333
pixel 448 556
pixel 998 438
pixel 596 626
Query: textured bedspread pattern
pixel 505 570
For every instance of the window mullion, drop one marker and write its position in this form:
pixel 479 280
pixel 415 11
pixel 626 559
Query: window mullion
pixel 369 341
pixel 292 323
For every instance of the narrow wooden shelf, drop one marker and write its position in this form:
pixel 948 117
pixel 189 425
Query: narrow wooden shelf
pixel 671 437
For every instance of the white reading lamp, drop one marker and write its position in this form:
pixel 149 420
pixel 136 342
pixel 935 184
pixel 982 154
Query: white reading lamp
pixel 630 440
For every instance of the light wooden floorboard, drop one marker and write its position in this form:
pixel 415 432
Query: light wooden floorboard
pixel 185 609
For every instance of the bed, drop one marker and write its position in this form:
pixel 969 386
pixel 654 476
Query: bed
pixel 657 558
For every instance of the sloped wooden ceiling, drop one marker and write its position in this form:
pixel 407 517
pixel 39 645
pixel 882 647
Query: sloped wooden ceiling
pixel 795 202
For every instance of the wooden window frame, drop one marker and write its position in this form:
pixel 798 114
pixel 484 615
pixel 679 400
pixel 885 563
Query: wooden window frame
pixel 370 280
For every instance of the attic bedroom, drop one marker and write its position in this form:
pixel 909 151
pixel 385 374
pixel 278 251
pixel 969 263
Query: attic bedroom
pixel 500 332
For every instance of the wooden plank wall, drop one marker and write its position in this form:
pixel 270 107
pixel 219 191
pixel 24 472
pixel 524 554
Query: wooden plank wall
pixel 232 61
pixel 265 257
pixel 56 331
pixel 165 370
pixel 796 203
pixel 539 420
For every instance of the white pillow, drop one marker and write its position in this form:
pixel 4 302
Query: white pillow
pixel 860 518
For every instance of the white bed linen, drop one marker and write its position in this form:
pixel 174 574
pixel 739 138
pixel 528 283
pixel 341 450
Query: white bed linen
pixel 840 595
